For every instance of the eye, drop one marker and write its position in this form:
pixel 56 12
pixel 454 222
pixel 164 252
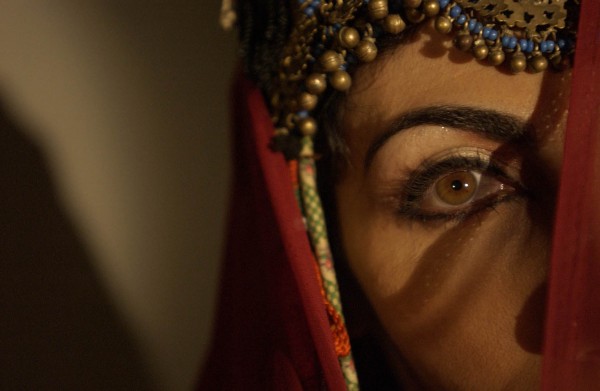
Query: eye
pixel 456 188
pixel 461 190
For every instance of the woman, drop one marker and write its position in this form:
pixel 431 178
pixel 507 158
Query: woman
pixel 439 163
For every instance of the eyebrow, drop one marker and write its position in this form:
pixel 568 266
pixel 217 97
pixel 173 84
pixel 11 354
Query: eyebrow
pixel 488 123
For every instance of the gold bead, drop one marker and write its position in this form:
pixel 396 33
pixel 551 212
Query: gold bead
pixel 480 51
pixel 518 62
pixel 349 37
pixel 394 24
pixel 275 99
pixel 308 101
pixel 287 61
pixel 378 9
pixel 538 63
pixel 316 83
pixel 496 57
pixel 431 8
pixel 307 126
pixel 414 15
pixel 366 51
pixel 330 60
pixel 340 80
pixel 443 24
pixel 463 42
pixel 411 3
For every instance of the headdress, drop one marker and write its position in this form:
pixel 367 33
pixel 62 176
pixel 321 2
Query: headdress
pixel 307 48
pixel 300 51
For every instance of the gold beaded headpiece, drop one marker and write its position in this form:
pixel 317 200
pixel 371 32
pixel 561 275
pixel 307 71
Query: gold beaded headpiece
pixel 308 47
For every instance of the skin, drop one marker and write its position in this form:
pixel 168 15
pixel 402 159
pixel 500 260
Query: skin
pixel 459 302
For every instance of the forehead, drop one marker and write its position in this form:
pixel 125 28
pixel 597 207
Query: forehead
pixel 428 71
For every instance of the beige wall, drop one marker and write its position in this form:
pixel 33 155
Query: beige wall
pixel 125 103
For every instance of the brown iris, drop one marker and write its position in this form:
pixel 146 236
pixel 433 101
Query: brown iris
pixel 456 188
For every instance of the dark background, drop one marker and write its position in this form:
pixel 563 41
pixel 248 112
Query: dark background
pixel 113 180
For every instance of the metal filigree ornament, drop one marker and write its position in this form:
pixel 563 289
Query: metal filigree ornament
pixel 533 15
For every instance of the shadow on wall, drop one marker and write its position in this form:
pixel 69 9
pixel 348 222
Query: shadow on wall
pixel 58 330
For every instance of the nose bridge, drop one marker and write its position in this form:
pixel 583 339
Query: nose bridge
pixel 549 121
pixel 551 143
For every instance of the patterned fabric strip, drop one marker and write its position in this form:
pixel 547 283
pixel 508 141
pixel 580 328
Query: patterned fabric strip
pixel 317 231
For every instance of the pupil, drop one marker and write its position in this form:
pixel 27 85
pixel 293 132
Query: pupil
pixel 456 185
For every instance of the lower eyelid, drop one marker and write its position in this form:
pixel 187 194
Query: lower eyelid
pixel 460 215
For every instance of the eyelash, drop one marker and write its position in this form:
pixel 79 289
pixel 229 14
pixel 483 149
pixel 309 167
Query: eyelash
pixel 423 178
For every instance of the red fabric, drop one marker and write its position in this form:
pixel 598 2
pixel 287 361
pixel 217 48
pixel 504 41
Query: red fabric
pixel 572 341
pixel 271 329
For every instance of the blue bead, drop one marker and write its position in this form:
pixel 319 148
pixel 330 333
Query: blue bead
pixel 493 35
pixel 302 114
pixel 530 46
pixel 309 11
pixel 505 40
pixel 478 27
pixel 315 3
pixel 455 11
pixel 486 32
pixel 344 67
pixel 512 42
pixel 545 47
pixel 562 44
pixel 523 44
pixel 472 24
pixel 443 3
pixel 461 19
pixel 550 46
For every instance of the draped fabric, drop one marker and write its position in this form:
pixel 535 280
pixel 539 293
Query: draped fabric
pixel 572 341
pixel 271 328
pixel 271 331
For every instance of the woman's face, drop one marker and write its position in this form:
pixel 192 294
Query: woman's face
pixel 445 211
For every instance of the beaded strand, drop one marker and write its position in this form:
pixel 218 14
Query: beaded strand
pixel 331 37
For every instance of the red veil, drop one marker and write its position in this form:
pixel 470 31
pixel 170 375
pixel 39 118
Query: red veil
pixel 272 331
pixel 572 341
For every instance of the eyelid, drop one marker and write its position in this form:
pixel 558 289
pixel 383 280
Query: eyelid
pixel 487 123
pixel 445 164
pixel 415 187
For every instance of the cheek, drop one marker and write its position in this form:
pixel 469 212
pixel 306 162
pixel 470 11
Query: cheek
pixel 365 234
pixel 461 291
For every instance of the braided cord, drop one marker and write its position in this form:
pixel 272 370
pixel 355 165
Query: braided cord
pixel 317 231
